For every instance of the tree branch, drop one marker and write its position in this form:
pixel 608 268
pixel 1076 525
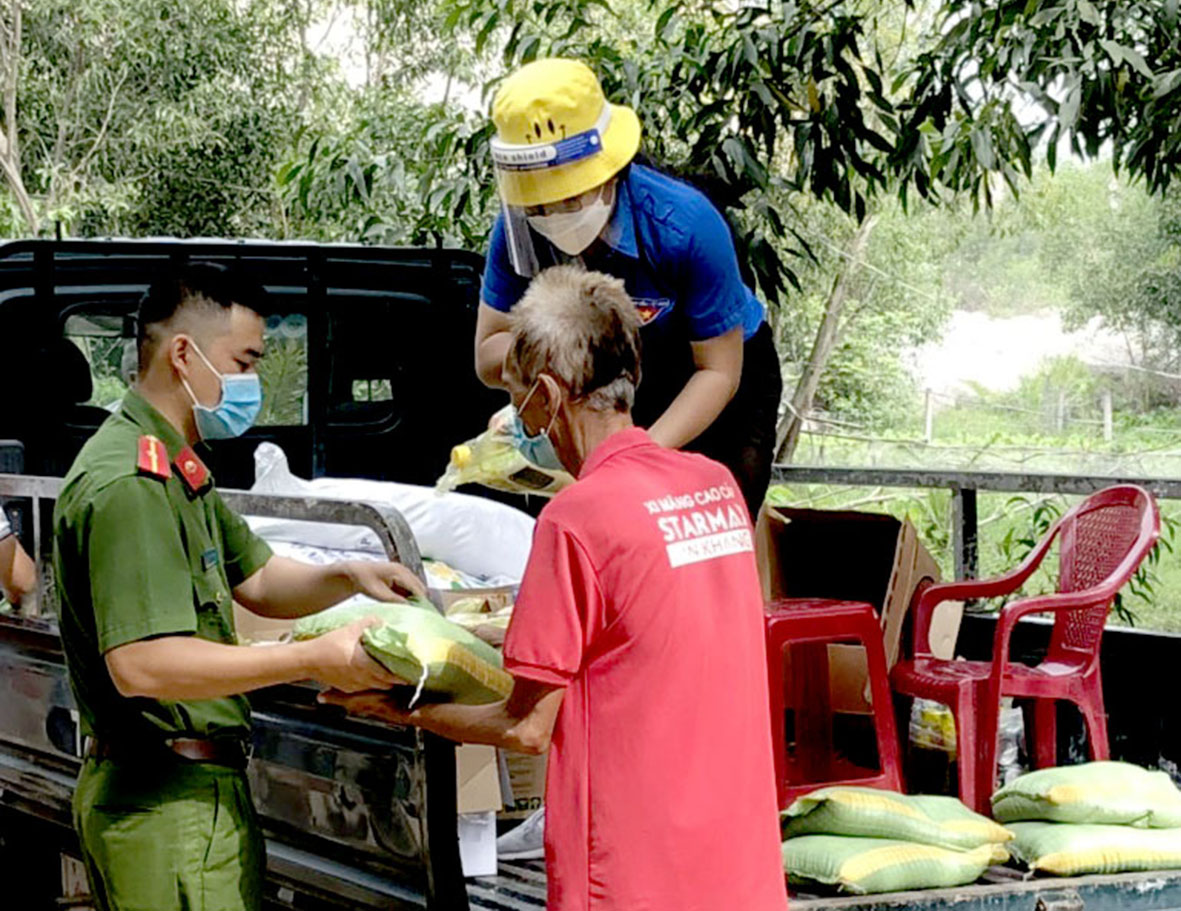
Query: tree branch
pixel 826 337
pixel 63 128
pixel 77 171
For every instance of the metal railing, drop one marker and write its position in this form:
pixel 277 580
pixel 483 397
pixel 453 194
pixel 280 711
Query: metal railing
pixel 384 521
pixel 964 486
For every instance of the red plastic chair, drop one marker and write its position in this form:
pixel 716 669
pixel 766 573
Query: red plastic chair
pixel 1103 541
pixel 807 626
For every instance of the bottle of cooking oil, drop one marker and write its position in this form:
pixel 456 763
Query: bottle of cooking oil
pixel 492 459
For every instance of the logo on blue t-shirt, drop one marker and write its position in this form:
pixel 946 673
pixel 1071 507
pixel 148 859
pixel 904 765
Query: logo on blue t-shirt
pixel 652 308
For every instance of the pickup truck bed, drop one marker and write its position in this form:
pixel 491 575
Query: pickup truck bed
pixel 521 886
pixel 518 886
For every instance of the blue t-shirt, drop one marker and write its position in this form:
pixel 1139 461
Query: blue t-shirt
pixel 672 249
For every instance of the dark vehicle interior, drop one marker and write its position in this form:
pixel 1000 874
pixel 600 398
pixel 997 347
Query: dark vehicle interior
pixel 368 370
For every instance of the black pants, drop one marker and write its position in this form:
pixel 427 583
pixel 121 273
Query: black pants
pixel 743 436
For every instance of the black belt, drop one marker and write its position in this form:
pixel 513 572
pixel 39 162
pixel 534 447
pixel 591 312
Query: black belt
pixel 226 751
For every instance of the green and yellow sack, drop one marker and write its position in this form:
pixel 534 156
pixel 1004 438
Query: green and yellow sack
pixel 1072 850
pixel 868 812
pixel 1100 793
pixel 869 865
pixel 422 647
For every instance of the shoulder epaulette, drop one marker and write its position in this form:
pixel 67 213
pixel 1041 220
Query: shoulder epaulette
pixel 152 458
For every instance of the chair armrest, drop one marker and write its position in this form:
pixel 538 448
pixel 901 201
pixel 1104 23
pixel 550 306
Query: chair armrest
pixel 1040 604
pixel 967 589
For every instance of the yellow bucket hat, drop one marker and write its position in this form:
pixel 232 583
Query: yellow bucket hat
pixel 556 135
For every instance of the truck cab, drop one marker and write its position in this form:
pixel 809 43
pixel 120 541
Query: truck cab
pixel 368 373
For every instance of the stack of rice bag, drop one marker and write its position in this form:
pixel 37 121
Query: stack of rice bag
pixel 1100 817
pixel 863 840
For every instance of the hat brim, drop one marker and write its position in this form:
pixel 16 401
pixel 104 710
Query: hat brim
pixel 621 141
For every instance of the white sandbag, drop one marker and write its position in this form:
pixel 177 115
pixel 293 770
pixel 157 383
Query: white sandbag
pixel 471 534
pixel 439 575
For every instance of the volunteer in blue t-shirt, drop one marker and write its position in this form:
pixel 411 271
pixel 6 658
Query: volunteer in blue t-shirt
pixel 571 192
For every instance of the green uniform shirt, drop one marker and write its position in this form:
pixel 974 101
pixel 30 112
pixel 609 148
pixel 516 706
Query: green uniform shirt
pixel 138 555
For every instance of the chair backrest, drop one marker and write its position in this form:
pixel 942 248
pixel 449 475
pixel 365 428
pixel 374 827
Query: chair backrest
pixel 1102 539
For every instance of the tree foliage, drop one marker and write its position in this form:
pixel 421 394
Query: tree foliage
pixel 801 119
pixel 136 117
pixel 1000 77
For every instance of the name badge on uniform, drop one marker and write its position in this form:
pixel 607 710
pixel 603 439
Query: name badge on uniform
pixel 209 559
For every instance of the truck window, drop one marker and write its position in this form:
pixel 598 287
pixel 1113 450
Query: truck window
pixel 284 372
pixel 106 342
pixel 372 391
pixel 380 357
pixel 110 356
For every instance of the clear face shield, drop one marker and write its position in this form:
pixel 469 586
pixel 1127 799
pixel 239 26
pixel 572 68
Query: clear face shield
pixel 549 215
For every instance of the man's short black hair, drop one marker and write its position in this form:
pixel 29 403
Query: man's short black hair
pixel 198 285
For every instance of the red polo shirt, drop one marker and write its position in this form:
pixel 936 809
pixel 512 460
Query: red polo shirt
pixel 641 598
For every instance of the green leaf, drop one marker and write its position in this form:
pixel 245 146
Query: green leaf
pixel 1166 83
pixel 530 48
pixel 1121 54
pixel 1045 16
pixel 289 172
pixel 1088 13
pixel 357 178
pixel 666 23
pixel 1068 110
pixel 982 148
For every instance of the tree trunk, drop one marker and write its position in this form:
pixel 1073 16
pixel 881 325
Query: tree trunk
pixel 12 175
pixel 10 163
pixel 12 74
pixel 788 436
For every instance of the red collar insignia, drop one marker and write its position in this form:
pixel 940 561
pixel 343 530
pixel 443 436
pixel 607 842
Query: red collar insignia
pixel 152 458
pixel 191 470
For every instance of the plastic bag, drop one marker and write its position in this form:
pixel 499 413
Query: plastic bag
pixel 474 535
pixel 932 727
pixel 493 460
pixel 1011 746
pixel 439 576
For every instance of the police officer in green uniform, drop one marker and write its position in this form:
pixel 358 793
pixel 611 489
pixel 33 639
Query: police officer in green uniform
pixel 149 562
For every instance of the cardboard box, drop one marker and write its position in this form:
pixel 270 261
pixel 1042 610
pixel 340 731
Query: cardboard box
pixel 477 800
pixel 477 779
pixel 851 556
pixel 526 784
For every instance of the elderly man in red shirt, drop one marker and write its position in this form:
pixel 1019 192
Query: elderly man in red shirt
pixel 636 644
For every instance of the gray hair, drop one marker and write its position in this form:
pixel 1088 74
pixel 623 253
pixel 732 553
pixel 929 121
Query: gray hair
pixel 581 328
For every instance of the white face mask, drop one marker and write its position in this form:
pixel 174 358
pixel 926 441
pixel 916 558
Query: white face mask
pixel 573 232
